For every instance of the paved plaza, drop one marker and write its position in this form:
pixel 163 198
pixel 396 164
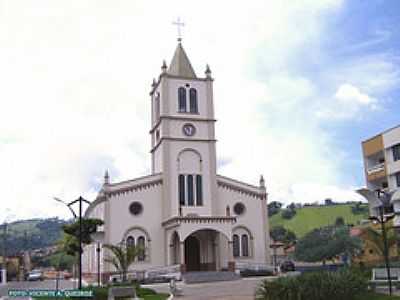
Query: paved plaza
pixel 242 289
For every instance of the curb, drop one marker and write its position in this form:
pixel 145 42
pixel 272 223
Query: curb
pixel 170 297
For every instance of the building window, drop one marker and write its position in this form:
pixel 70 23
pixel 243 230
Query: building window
pixel 182 99
pixel 245 245
pixel 190 190
pixel 136 208
pixel 199 191
pixel 193 100
pixel 236 246
pixel 141 248
pixel 157 106
pixel 130 241
pixel 398 179
pixel 396 152
pixel 181 187
pixel 239 208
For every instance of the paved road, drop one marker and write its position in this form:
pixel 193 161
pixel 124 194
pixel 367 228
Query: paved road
pixel 242 289
pixel 34 285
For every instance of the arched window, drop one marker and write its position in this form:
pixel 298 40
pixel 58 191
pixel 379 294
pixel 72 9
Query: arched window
pixel 141 248
pixel 236 247
pixel 199 191
pixel 190 190
pixel 193 100
pixel 181 187
pixel 182 99
pixel 245 245
pixel 130 241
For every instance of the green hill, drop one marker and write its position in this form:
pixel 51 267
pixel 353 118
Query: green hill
pixel 311 217
pixel 30 234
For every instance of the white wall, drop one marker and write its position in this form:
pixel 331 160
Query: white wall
pixel 150 220
pixel 251 219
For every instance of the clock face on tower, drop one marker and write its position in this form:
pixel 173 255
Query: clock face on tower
pixel 189 129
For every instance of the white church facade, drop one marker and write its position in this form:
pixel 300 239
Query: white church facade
pixel 183 214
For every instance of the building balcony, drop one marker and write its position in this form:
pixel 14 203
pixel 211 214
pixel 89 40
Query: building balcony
pixel 376 169
pixel 376 172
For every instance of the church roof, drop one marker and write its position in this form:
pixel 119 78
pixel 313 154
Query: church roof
pixel 180 64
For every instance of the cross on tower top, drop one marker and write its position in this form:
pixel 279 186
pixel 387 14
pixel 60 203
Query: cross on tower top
pixel 179 24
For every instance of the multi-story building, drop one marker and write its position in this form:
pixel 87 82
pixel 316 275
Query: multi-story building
pixel 382 160
pixel 381 155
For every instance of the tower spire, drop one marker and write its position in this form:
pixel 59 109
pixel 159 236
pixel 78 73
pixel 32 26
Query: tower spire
pixel 180 65
pixel 106 177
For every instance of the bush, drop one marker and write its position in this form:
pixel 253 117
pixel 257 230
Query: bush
pixel 288 213
pixel 341 285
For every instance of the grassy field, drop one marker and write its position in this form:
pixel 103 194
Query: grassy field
pixel 371 296
pixel 309 218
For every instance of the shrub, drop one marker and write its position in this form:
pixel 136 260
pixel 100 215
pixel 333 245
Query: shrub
pixel 288 213
pixel 340 285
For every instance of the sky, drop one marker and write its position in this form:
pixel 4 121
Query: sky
pixel 299 83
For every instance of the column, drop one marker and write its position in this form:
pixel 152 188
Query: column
pixel 182 256
pixel 231 262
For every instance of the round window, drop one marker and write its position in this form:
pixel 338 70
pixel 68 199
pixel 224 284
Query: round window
pixel 239 208
pixel 136 208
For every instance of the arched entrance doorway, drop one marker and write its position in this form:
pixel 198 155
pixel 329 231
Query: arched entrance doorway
pixel 192 254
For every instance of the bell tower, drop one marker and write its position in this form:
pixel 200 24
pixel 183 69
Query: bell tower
pixel 183 137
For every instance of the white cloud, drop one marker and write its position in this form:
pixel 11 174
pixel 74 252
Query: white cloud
pixel 349 94
pixel 77 76
pixel 348 102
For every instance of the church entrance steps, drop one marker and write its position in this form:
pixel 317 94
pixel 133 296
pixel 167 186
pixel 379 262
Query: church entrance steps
pixel 209 276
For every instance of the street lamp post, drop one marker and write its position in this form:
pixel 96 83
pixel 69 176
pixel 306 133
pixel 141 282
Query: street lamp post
pixel 382 220
pixel 98 237
pixel 80 200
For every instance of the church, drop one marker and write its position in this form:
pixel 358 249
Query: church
pixel 183 214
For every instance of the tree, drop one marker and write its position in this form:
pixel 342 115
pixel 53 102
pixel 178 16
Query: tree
pixel 281 234
pixel 122 257
pixel 288 213
pixel 326 243
pixel 274 207
pixel 339 222
pixel 70 240
pixel 375 238
pixel 329 201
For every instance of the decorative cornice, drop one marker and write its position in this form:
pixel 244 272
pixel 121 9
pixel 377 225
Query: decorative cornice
pixel 166 75
pixel 199 220
pixel 180 118
pixel 134 188
pixel 180 139
pixel 240 187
